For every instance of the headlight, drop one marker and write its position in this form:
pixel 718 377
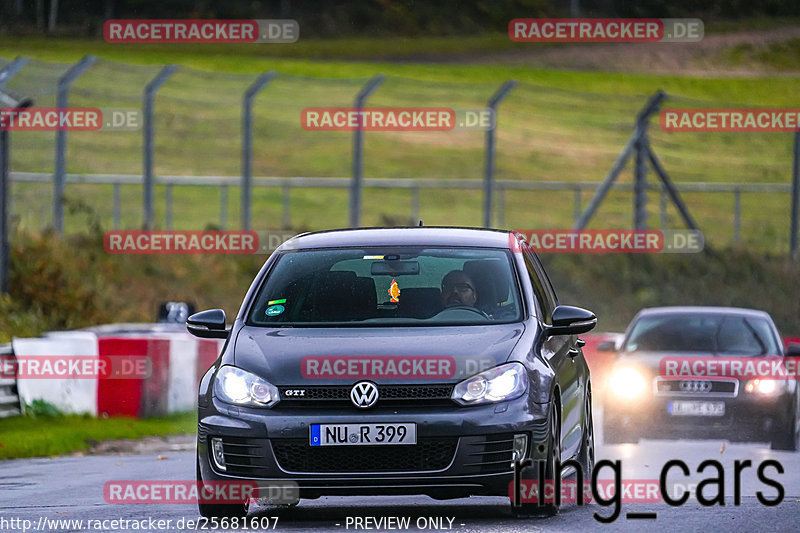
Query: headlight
pixel 504 382
pixel 627 382
pixel 234 385
pixel 762 386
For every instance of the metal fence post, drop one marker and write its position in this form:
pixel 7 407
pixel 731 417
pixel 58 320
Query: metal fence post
pixel 737 214
pixel 795 197
pixel 358 153
pixel 5 249
pixel 148 131
pixel 640 162
pixel 415 207
pixel 247 145
pixel 223 207
pixel 168 207
pixel 576 203
pixel 116 206
pixel 6 101
pixel 488 171
pixel 10 70
pixel 59 178
pixel 501 206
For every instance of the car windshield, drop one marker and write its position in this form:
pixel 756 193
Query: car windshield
pixel 702 333
pixel 388 286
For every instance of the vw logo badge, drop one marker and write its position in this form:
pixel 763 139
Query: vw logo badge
pixel 364 394
pixel 695 386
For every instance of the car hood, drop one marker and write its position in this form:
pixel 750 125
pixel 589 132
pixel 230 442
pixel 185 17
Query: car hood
pixel 326 356
pixel 655 363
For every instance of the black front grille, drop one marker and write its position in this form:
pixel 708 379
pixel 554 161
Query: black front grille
pixel 339 395
pixel 245 457
pixel 491 455
pixel 429 454
pixel 699 387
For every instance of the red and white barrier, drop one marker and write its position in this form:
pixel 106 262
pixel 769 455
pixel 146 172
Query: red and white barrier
pixel 175 363
pixel 71 395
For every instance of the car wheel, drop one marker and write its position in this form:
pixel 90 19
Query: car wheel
pixel 786 436
pixel 218 510
pixel 586 455
pixel 553 457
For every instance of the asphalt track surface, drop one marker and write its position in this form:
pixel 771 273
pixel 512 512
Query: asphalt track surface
pixel 71 488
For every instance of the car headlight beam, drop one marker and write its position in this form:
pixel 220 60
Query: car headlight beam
pixel 762 386
pixel 627 382
pixel 234 385
pixel 498 384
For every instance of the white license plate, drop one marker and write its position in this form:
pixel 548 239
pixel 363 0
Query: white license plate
pixel 683 408
pixel 362 434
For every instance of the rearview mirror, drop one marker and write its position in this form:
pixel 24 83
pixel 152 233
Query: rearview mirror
pixel 793 350
pixel 394 268
pixel 208 324
pixel 569 320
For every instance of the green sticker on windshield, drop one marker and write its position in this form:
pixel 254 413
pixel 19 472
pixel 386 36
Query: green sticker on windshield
pixel 273 302
pixel 275 310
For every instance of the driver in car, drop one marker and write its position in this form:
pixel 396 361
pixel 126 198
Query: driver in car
pixel 458 289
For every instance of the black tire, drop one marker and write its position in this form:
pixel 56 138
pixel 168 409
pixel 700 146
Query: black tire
pixel 786 436
pixel 540 510
pixel 586 453
pixel 219 510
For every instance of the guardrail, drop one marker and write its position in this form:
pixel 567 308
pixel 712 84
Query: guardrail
pixel 9 396
pixel 414 185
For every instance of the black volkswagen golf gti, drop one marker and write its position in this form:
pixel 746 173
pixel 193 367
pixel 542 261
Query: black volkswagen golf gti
pixel 395 361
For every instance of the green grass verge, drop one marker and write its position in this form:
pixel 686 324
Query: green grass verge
pixel 34 437
pixel 249 59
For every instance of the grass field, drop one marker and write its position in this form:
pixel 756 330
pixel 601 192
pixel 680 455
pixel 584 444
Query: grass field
pixel 555 126
pixel 34 437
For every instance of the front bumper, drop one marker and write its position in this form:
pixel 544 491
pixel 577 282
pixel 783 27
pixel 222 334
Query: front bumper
pixel 748 417
pixel 460 451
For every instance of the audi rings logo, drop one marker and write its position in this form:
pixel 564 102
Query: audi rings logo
pixel 364 394
pixel 695 386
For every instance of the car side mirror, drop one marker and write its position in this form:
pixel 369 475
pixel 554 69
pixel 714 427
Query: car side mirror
pixel 793 350
pixel 208 324
pixel 607 346
pixel 570 320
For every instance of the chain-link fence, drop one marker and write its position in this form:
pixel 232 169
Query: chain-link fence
pixel 552 149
